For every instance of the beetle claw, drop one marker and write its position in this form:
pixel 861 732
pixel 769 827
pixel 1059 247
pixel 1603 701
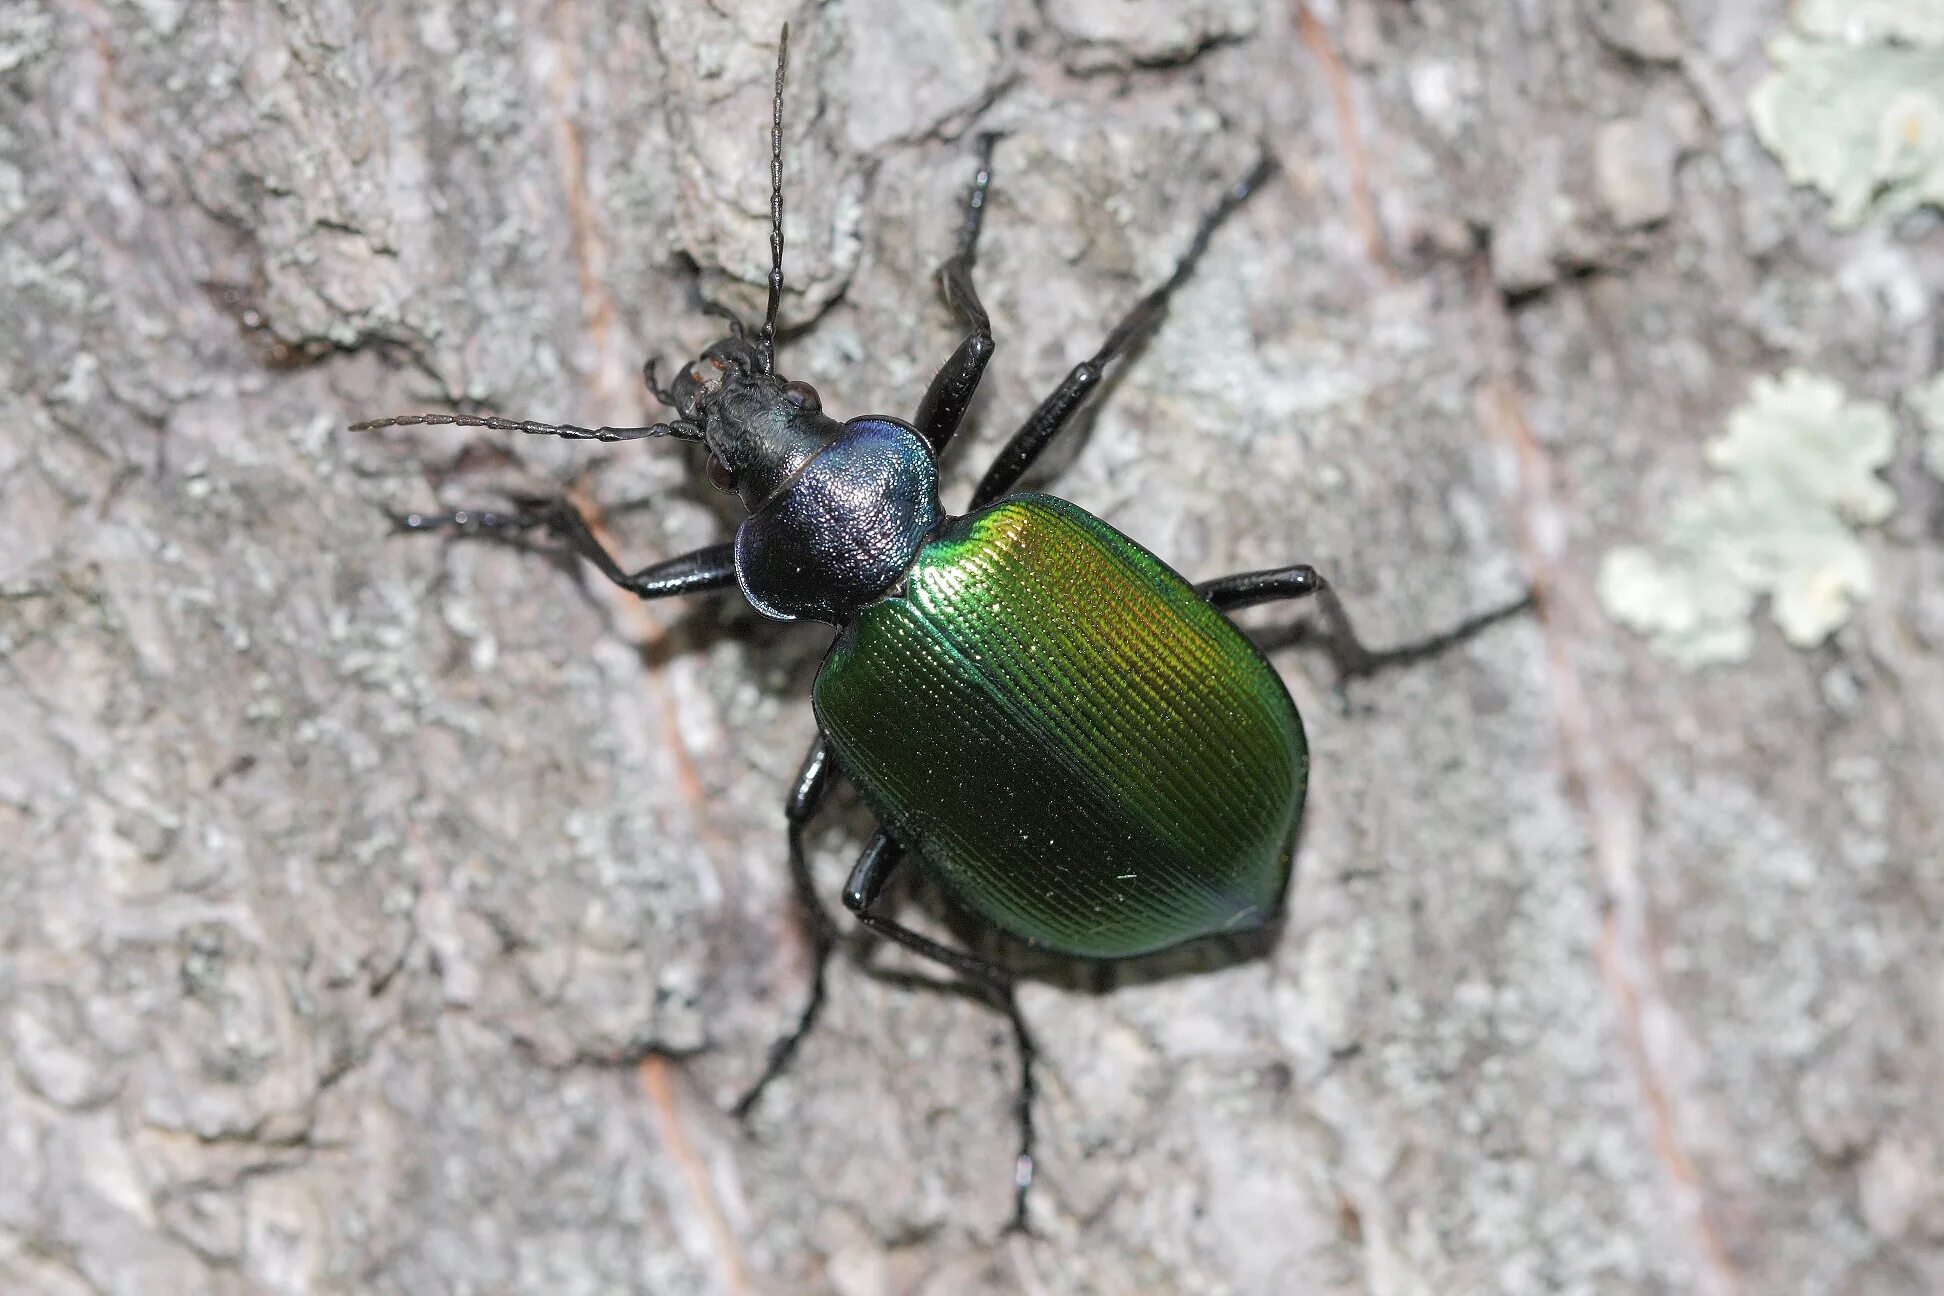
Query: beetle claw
pixel 1019 1224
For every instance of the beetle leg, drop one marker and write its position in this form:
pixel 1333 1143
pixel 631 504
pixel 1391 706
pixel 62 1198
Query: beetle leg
pixel 1351 656
pixel 471 521
pixel 710 568
pixel 867 882
pixel 1246 589
pixel 943 407
pixel 700 571
pixel 1055 412
pixel 872 873
pixel 806 798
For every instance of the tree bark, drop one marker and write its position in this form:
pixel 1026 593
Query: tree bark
pixel 385 914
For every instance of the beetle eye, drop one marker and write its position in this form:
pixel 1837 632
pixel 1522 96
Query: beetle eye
pixel 803 396
pixel 721 477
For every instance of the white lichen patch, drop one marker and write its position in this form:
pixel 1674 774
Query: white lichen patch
pixel 1916 21
pixel 1855 104
pixel 1798 468
pixel 1926 401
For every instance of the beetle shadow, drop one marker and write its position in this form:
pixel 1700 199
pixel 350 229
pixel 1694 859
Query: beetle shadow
pixel 1095 978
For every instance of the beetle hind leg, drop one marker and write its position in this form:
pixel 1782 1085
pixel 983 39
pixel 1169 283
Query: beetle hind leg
pixel 806 798
pixel 1351 656
pixel 867 882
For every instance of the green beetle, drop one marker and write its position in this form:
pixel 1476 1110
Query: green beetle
pixel 1066 733
pixel 1075 741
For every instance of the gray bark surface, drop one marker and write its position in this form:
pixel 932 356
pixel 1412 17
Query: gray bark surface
pixel 379 914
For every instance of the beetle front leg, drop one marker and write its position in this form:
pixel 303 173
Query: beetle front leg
pixel 1056 412
pixel 867 882
pixel 806 798
pixel 697 572
pixel 943 407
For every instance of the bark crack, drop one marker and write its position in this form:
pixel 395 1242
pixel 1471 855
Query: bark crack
pixel 1356 160
pixel 1600 782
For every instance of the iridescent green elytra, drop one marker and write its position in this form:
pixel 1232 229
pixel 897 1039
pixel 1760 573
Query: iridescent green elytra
pixel 1092 757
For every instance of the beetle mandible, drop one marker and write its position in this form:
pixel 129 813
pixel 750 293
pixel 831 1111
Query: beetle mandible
pixel 1071 737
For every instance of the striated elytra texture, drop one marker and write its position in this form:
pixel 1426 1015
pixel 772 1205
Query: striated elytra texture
pixel 1089 754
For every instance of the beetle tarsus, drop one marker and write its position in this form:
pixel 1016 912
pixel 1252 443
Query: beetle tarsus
pixel 868 880
pixel 699 571
pixel 1024 1165
pixel 1338 638
pixel 1354 660
pixel 1056 412
pixel 943 407
pixel 807 795
pixel 783 1051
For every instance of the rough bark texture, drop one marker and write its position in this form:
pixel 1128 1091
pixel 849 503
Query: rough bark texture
pixel 386 915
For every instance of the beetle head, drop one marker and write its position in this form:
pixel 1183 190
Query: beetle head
pixel 760 429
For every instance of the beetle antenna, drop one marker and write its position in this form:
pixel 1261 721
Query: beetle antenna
pixel 680 430
pixel 766 338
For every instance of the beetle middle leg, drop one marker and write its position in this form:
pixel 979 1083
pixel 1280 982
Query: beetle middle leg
pixel 1057 410
pixel 867 882
pixel 1351 656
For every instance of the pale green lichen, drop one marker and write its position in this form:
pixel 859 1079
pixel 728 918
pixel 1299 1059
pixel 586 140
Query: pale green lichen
pixel 1798 464
pixel 1916 21
pixel 1926 401
pixel 1855 105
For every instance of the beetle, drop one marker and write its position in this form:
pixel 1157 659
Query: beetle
pixel 1071 737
